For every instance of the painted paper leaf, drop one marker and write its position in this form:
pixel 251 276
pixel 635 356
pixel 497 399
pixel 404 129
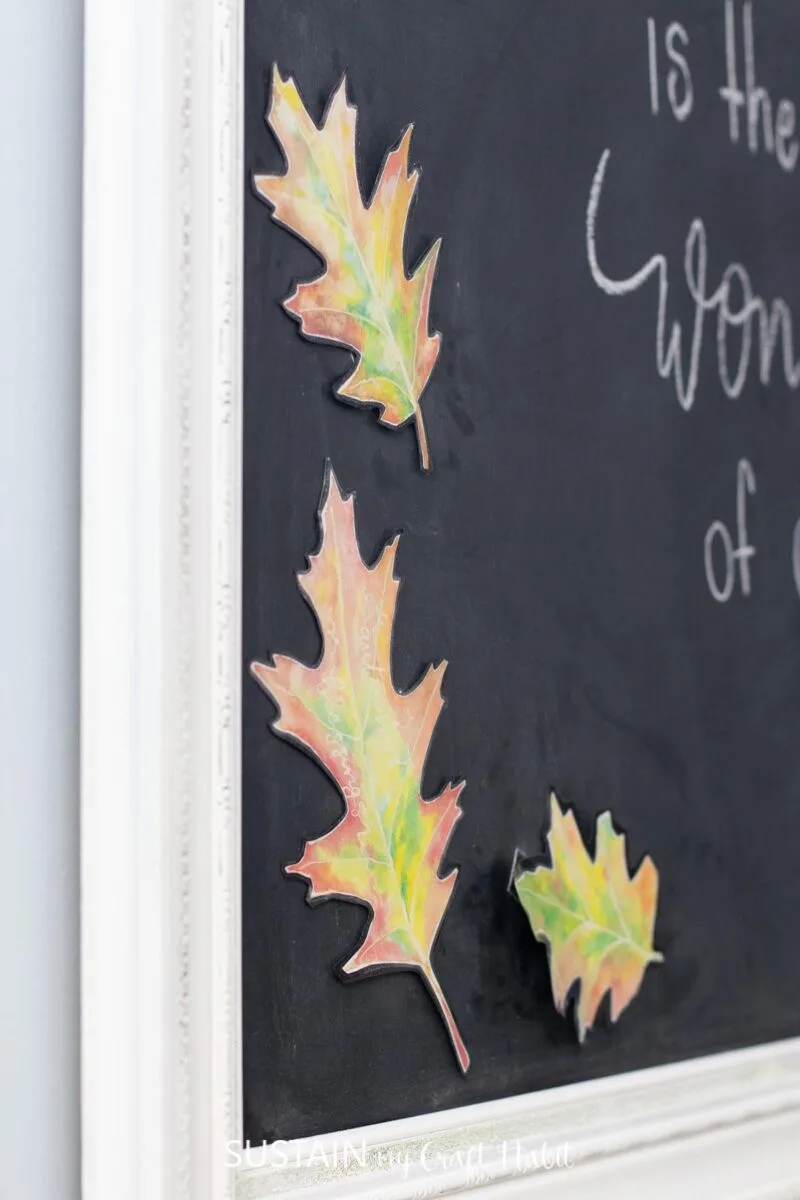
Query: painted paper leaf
pixel 596 921
pixel 363 299
pixel 373 741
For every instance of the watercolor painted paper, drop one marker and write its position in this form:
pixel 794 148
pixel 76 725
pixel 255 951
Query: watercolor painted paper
pixel 596 921
pixel 373 741
pixel 363 299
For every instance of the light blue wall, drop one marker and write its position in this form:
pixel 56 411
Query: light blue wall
pixel 40 152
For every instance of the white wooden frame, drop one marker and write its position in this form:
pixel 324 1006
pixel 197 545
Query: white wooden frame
pixel 164 189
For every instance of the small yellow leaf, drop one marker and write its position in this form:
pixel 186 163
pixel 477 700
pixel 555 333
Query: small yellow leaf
pixel 596 921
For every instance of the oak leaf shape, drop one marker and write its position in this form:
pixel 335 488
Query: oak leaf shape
pixel 372 740
pixel 363 299
pixel 596 921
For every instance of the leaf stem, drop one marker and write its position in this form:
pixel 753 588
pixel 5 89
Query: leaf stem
pixel 462 1054
pixel 422 437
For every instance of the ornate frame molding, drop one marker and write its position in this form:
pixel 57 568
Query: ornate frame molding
pixel 160 716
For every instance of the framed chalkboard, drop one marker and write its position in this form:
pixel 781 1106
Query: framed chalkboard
pixel 452 475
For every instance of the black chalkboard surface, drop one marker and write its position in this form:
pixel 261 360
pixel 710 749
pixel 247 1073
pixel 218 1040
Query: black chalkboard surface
pixel 603 550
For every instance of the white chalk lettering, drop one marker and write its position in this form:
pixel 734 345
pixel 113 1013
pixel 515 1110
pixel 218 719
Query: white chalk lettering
pixel 652 58
pixel 771 322
pixel 680 77
pixel 771 131
pixel 680 90
pixel 739 555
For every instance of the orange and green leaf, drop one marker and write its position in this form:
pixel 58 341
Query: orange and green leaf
pixel 596 921
pixel 373 741
pixel 363 299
